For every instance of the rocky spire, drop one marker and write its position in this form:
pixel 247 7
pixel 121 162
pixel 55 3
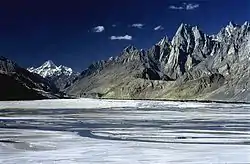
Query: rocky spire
pixel 129 49
pixel 163 41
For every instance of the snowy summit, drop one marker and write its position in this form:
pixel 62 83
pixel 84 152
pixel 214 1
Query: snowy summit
pixel 49 69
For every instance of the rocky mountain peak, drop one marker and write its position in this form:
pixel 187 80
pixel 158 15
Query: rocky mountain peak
pixel 182 34
pixel 7 66
pixel 246 24
pixel 61 75
pixel 129 49
pixel 163 41
pixel 189 47
pixel 49 64
pixel 231 27
pixel 232 24
pixel 49 69
pixel 245 27
pixel 232 32
pixel 196 31
pixel 183 26
pixel 192 65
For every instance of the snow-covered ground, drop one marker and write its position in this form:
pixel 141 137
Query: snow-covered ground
pixel 113 131
pixel 101 103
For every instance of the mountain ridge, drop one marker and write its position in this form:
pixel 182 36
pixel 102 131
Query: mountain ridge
pixel 19 84
pixel 191 65
pixel 49 69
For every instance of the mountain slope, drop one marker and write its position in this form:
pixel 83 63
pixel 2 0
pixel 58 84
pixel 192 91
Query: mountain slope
pixel 192 65
pixel 61 76
pixel 19 84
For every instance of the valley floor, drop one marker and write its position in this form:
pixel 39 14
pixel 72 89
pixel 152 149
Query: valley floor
pixel 120 131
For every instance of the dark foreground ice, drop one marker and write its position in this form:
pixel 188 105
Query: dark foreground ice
pixel 105 131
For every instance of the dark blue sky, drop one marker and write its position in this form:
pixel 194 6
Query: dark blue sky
pixel 33 31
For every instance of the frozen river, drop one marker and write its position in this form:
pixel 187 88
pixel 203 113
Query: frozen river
pixel 109 131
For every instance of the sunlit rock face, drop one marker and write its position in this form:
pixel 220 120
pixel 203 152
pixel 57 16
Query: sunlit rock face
pixel 193 65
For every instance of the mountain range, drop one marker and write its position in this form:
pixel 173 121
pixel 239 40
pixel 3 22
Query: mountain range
pixel 192 65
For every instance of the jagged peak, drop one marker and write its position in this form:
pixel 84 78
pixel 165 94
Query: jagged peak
pixel 11 65
pixel 232 24
pixel 49 64
pixel 183 26
pixel 196 29
pixel 49 61
pixel 7 60
pixel 197 32
pixel 65 68
pixel 186 31
pixel 229 29
pixel 61 66
pixel 246 23
pixel 111 58
pixel 143 52
pixel 163 41
pixel 129 48
pixel 49 69
pixel 30 68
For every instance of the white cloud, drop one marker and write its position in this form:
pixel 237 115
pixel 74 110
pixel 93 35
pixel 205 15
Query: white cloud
pixel 185 6
pixel 192 6
pixel 158 28
pixel 126 37
pixel 98 29
pixel 137 25
pixel 176 7
pixel 113 25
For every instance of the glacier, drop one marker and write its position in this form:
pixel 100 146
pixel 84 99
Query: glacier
pixel 123 131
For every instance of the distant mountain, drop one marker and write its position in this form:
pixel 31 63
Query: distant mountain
pixel 19 84
pixel 193 65
pixel 61 76
pixel 49 69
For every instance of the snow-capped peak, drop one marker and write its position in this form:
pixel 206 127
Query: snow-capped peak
pixel 49 69
pixel 49 64
pixel 66 70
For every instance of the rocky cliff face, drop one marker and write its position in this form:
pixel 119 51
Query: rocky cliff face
pixel 19 84
pixel 192 65
pixel 61 75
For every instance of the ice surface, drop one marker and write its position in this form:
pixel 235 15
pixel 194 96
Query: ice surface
pixel 112 131
pixel 67 148
pixel 101 103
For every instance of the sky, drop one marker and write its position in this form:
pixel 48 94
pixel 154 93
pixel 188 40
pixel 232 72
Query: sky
pixel 76 33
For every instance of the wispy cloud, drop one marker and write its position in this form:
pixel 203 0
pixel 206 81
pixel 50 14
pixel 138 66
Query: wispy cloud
pixel 158 28
pixel 176 7
pixel 191 6
pixel 125 37
pixel 113 25
pixel 137 25
pixel 185 6
pixel 98 29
